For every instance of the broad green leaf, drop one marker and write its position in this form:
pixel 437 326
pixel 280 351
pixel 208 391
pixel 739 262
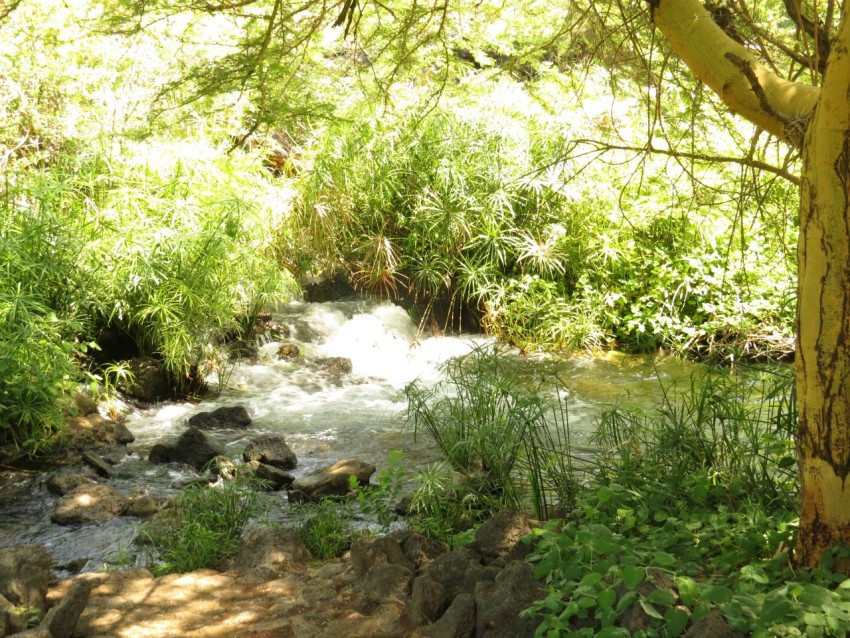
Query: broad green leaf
pixel 774 611
pixel 607 597
pixel 677 620
pixel 663 559
pixel 633 576
pixel 662 597
pixel 717 594
pixel 651 611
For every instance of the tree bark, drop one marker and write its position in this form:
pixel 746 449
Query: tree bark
pixel 823 315
pixel 818 120
pixel 746 86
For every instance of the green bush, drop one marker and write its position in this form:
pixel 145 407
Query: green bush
pixel 325 527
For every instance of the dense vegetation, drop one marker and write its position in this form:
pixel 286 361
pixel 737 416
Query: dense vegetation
pixel 154 202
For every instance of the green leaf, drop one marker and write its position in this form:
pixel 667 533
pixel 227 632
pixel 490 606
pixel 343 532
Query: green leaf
pixel 774 611
pixel 677 620
pixel 651 611
pixel 717 594
pixel 607 597
pixel 612 632
pixel 663 559
pixel 633 576
pixel 662 597
pixel 688 590
pixel 626 601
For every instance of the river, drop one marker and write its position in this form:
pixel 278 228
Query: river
pixel 324 417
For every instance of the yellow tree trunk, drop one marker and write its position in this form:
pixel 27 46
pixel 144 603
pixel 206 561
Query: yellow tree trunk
pixel 787 109
pixel 823 316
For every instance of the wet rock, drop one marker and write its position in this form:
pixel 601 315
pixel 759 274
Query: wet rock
pixel 193 447
pixel 10 454
pixel 457 622
pixel 229 417
pixel 150 382
pixel 141 507
pixel 60 483
pixel 93 432
pixel 114 455
pixel 499 604
pixel 276 479
pixel 62 618
pixel 92 503
pixel 289 352
pixel 366 553
pixel 25 575
pixel 331 288
pixel 98 464
pixel 500 536
pixel 335 365
pixel 333 480
pixel 271 450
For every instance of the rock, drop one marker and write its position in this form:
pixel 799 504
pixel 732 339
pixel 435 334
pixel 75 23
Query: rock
pixel 634 618
pixel 62 618
pixel 230 417
pixel 386 583
pixel 277 479
pixel 141 507
pixel 418 548
pixel 333 480
pixel 427 601
pixel 366 553
pixel 289 352
pixel 269 551
pixel 93 432
pixel 193 447
pixel 498 604
pixel 712 625
pixel 98 464
pixel 25 575
pixel 331 288
pixel 271 450
pixel 457 622
pixel 11 620
pixel 122 433
pixel 499 537
pixel 150 382
pixel 451 570
pixel 92 503
pixel 84 402
pixel 36 632
pixel 60 483
pixel 335 365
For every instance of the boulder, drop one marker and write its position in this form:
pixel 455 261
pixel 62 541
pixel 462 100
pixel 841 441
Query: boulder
pixel 418 548
pixel 92 503
pixel 453 570
pixel 333 480
pixel 289 352
pixel 457 622
pixel 150 382
pixel 275 478
pixel 366 553
pixel 500 536
pixel 60 483
pixel 25 575
pixel 193 447
pixel 335 365
pixel 98 464
pixel 141 507
pixel 61 620
pixel 269 551
pixel 387 583
pixel 271 450
pixel 229 417
pixel 498 604
pixel 427 601
pixel 93 432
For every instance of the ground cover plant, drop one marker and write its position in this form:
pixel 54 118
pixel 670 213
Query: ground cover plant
pixel 690 510
pixel 201 526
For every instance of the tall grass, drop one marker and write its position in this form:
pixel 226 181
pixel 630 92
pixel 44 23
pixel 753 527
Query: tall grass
pixel 503 432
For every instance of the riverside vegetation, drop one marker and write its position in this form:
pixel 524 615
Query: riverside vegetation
pixel 517 174
pixel 682 510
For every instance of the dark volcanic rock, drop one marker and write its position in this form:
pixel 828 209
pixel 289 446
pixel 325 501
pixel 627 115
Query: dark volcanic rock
pixel 193 447
pixel 229 417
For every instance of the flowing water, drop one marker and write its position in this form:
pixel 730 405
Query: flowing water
pixel 324 417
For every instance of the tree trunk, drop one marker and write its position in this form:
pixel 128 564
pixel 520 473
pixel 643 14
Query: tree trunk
pixel 823 316
pixel 818 119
